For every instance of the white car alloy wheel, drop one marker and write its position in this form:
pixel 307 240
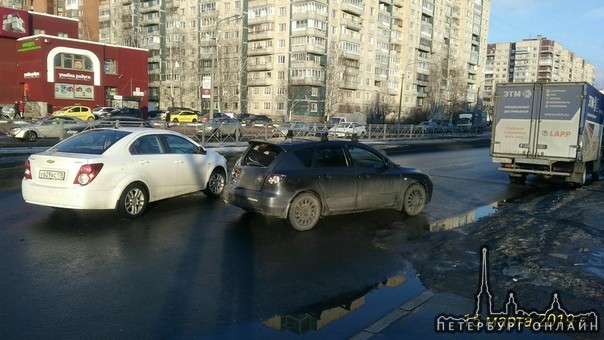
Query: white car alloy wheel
pixel 133 201
pixel 216 183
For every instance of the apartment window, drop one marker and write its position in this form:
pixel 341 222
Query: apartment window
pixel 314 107
pixel 315 92
pixel 282 27
pixel 267 105
pixel 281 75
pixel 280 106
pixel 282 11
pixel 281 59
pixel 267 91
pixel 281 43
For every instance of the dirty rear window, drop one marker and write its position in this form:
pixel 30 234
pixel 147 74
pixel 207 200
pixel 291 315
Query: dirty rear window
pixel 261 154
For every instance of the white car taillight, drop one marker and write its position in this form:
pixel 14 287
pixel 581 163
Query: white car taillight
pixel 27 173
pixel 87 173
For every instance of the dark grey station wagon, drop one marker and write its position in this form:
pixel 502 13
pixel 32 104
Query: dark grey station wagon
pixel 303 180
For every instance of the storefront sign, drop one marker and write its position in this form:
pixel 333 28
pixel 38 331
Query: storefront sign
pixel 74 76
pixel 31 75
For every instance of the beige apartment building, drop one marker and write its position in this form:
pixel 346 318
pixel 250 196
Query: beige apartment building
pixel 87 12
pixel 532 60
pixel 307 59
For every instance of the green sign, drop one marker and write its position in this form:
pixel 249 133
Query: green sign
pixel 29 46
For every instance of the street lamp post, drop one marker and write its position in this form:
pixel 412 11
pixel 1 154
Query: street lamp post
pixel 214 54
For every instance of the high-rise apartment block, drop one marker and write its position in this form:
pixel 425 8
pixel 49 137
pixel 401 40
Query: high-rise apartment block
pixel 306 59
pixel 87 12
pixel 533 60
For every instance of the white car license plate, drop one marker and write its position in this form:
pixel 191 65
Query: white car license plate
pixel 52 175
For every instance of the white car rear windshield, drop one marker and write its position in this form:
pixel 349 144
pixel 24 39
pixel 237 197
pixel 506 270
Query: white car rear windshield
pixel 90 142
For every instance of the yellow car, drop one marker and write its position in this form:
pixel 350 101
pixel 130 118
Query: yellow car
pixel 184 116
pixel 82 112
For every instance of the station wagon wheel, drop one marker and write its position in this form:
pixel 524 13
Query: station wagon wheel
pixel 414 200
pixel 216 183
pixel 133 201
pixel 304 211
pixel 31 136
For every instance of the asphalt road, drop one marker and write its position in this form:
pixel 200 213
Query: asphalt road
pixel 193 266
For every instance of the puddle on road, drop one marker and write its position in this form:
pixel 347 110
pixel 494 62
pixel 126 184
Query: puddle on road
pixel 467 218
pixel 340 317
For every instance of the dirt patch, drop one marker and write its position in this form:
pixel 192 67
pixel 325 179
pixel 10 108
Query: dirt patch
pixel 537 245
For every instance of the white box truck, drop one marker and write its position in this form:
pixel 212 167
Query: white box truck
pixel 548 129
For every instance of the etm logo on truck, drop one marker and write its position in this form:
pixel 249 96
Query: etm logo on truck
pixel 518 94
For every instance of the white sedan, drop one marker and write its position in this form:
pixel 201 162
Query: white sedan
pixel 48 127
pixel 348 129
pixel 121 169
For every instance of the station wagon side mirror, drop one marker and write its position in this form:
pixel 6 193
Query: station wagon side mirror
pixel 201 150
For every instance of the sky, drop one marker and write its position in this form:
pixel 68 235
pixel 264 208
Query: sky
pixel 578 25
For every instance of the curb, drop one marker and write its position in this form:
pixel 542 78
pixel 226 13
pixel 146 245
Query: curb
pixel 395 315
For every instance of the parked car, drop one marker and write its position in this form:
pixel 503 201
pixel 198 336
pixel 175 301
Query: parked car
pixel 257 119
pixel 156 114
pixel 102 111
pixel 184 116
pixel 445 128
pixel 7 112
pixel 348 129
pixel 296 128
pixel 215 115
pixel 222 127
pixel 114 122
pixel 302 180
pixel 127 112
pixel 48 127
pixel 427 127
pixel 121 169
pixel 82 112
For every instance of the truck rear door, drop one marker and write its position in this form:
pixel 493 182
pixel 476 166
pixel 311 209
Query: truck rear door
pixel 538 120
pixel 515 119
pixel 557 134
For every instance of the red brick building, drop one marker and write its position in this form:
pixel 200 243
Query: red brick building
pixel 48 67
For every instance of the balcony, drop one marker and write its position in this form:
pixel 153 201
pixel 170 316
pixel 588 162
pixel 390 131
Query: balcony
pixel 265 35
pixel 126 2
pixel 260 82
pixel 260 67
pixel 352 9
pixel 309 48
pixel 354 23
pixel 149 8
pixel 307 81
pixel 253 51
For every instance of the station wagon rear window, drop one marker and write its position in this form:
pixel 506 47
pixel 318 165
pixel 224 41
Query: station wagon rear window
pixel 261 154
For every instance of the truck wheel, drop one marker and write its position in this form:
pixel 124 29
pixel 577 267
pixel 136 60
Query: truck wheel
pixel 595 176
pixel 518 179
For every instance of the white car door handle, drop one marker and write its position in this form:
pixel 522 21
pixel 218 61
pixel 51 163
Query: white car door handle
pixel 178 162
pixel 143 162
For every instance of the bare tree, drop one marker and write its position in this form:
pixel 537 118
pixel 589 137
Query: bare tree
pixel 336 74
